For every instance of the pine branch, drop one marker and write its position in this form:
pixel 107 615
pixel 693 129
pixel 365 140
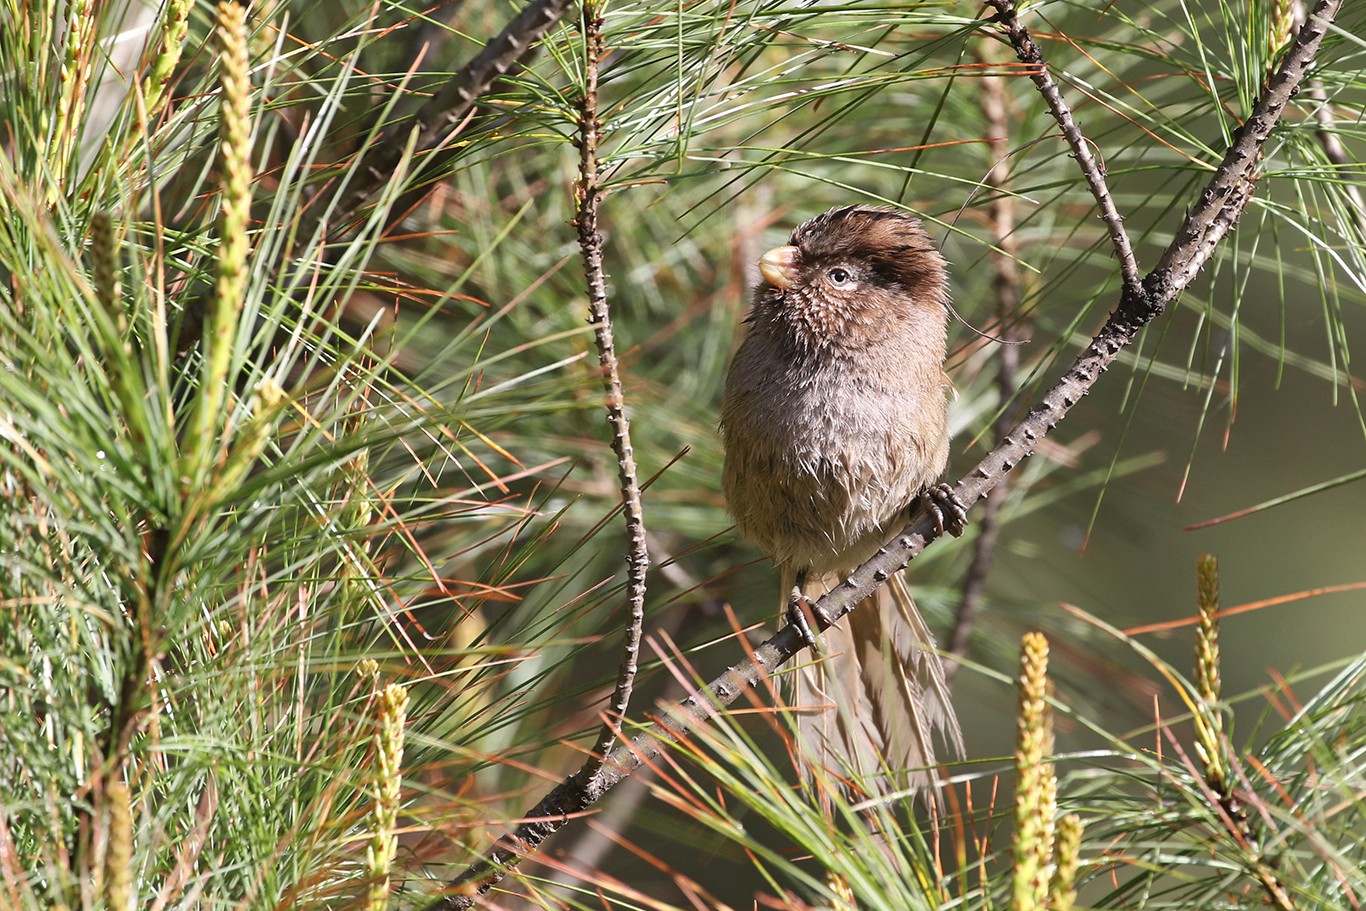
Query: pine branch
pixel 599 315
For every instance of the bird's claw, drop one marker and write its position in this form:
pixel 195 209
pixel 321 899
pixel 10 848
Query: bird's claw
pixel 949 512
pixel 801 610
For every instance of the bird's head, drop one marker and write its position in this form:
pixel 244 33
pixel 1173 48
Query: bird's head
pixel 852 276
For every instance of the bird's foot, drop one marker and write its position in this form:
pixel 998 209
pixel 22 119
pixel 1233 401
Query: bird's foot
pixel 949 512
pixel 801 611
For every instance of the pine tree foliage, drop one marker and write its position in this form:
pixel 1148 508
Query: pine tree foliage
pixel 312 552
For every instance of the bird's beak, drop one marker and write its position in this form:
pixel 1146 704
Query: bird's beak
pixel 779 267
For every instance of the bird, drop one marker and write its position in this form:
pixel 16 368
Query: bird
pixel 834 421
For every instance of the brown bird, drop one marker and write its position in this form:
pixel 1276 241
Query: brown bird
pixel 835 421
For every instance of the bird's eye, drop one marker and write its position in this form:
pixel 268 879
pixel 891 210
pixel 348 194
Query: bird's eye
pixel 839 275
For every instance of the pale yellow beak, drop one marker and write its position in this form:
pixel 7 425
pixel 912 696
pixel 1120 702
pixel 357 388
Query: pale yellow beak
pixel 779 267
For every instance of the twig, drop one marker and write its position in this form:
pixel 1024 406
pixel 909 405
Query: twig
pixel 1336 153
pixel 1029 53
pixel 1218 209
pixel 433 36
pixel 1327 134
pixel 593 842
pixel 1231 186
pixel 578 792
pixel 590 244
pixel 993 101
pixel 447 113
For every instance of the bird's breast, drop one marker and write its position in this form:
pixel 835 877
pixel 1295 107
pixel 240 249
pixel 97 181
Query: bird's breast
pixel 819 463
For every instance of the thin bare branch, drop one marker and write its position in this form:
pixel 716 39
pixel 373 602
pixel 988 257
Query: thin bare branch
pixel 600 317
pixel 1231 186
pixel 1335 152
pixel 1327 134
pixel 590 843
pixel 1218 209
pixel 1029 53
pixel 994 101
pixel 443 117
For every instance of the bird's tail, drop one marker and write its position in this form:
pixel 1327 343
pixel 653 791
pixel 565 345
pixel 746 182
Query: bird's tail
pixel 870 707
